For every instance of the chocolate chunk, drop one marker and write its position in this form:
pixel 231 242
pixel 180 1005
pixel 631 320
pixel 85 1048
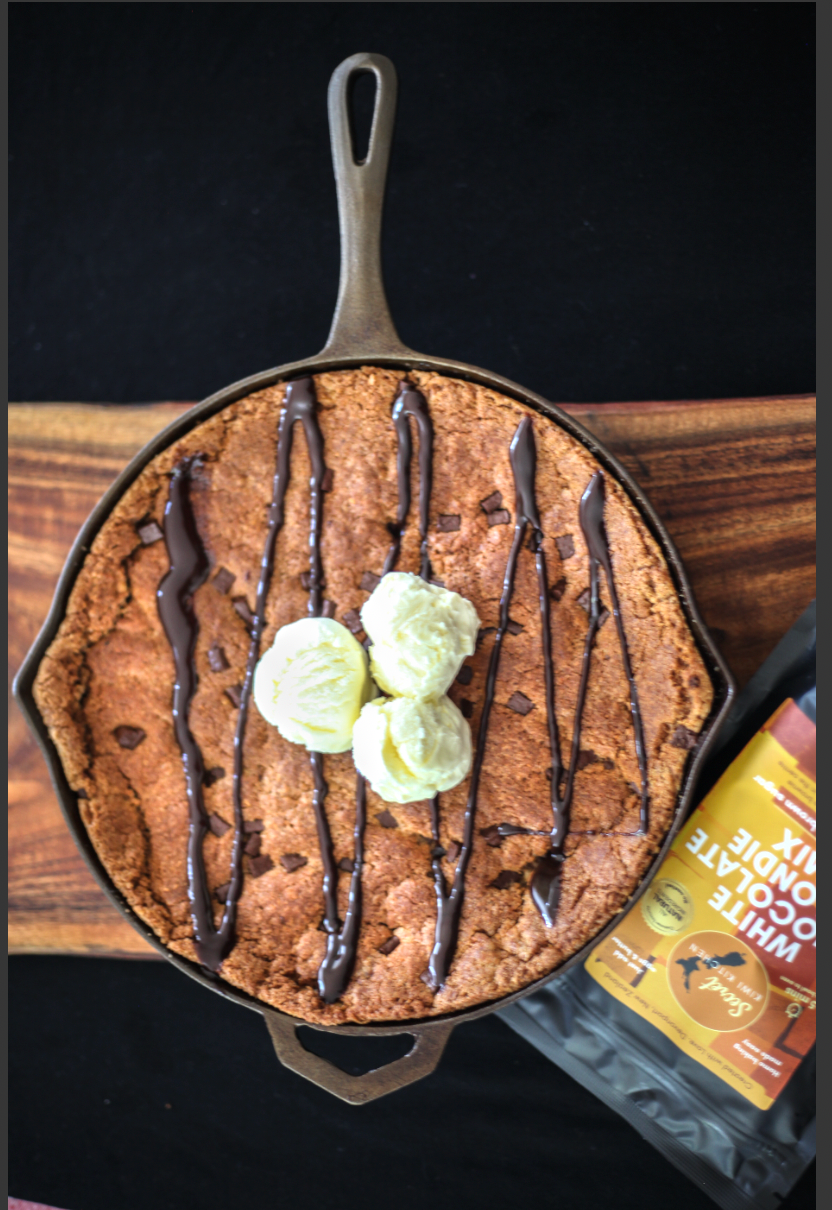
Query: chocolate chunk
pixel 218 825
pixel 694 682
pixel 223 580
pixel 328 609
pixel 602 617
pixel 369 581
pixel 216 659
pixel 505 878
pixel 149 532
pixel 241 605
pixel 439 583
pixel 465 675
pixel 346 864
pixel 467 708
pixel 253 825
pixel 289 861
pixel 566 546
pixel 492 502
pixel 437 852
pixel 514 627
pixel 327 481
pixel 352 621
pixel 252 846
pixel 221 893
pixel 454 850
pixel 386 819
pixel 389 945
pixel 81 793
pixel 586 757
pixel 212 775
pixel 129 737
pixel 483 631
pixel 683 737
pixel 519 702
pixel 500 516
pixel 492 836
pixel 557 590
pixel 235 693
pixel 257 866
pixel 448 523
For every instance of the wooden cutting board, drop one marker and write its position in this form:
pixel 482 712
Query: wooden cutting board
pixel 733 480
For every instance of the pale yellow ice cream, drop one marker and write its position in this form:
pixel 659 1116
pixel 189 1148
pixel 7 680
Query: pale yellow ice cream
pixel 420 635
pixel 410 750
pixel 312 683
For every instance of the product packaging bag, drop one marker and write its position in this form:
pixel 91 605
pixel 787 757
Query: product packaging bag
pixel 695 1018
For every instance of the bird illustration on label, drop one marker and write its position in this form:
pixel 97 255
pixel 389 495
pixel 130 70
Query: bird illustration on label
pixel 689 965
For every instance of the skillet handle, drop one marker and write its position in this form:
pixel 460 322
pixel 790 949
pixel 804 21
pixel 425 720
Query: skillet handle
pixel 362 326
pixel 428 1045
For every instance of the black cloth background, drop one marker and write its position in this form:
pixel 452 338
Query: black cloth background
pixel 601 201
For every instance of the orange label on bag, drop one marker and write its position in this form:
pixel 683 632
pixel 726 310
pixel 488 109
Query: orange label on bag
pixel 719 953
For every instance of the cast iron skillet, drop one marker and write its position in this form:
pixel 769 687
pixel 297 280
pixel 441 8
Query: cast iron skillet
pixel 362 333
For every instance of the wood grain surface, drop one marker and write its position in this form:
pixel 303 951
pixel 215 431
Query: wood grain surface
pixel 733 481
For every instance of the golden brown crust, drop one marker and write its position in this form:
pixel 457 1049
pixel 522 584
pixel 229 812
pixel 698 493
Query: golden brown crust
pixel 110 665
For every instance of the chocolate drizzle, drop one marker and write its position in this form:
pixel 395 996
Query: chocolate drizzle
pixel 546 880
pixel 342 940
pixel 545 883
pixel 299 404
pixel 592 524
pixel 212 945
pixel 450 903
pixel 410 402
pixel 189 569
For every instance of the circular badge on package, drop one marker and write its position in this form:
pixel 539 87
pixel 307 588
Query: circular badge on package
pixel 667 906
pixel 718 980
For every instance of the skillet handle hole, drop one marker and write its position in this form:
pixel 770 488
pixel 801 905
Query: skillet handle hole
pixel 356 1056
pixel 361 104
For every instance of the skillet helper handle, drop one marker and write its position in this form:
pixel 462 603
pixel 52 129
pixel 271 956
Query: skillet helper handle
pixel 421 1060
pixel 362 325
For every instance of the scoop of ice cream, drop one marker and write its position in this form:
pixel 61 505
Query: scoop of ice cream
pixel 420 633
pixel 410 750
pixel 312 683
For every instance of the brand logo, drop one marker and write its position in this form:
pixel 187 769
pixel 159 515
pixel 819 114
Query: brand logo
pixel 718 980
